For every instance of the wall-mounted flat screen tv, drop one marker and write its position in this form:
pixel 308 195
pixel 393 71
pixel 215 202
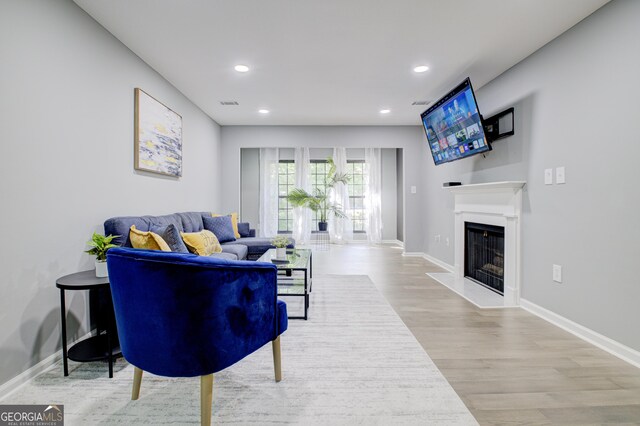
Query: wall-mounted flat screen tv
pixel 453 126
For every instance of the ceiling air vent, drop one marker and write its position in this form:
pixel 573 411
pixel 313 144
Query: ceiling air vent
pixel 228 103
pixel 420 103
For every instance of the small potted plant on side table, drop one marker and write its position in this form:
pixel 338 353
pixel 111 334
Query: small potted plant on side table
pixel 280 242
pixel 99 246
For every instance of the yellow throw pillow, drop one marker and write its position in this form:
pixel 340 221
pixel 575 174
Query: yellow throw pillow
pixel 203 243
pixel 147 240
pixel 234 222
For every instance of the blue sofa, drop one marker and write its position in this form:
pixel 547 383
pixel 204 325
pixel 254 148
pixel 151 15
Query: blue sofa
pixel 247 247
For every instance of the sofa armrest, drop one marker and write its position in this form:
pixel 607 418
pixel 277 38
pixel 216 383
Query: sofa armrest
pixel 245 230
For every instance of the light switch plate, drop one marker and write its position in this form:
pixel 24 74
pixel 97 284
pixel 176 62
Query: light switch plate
pixel 414 189
pixel 548 176
pixel 557 273
pixel 560 175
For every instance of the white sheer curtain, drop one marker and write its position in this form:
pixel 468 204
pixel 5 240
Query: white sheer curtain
pixel 340 229
pixel 268 192
pixel 373 194
pixel 302 215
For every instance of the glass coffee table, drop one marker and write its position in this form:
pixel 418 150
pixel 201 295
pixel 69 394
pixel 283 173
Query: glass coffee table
pixel 294 275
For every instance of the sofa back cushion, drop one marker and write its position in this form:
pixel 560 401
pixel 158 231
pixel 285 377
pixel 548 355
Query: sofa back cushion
pixel 184 222
pixel 191 221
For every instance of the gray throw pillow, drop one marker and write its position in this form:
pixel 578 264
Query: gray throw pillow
pixel 171 236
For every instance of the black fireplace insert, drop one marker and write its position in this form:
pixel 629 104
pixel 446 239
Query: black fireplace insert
pixel 484 255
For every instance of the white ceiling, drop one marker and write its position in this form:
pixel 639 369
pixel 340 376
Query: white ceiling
pixel 331 62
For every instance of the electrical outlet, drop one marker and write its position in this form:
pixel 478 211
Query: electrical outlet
pixel 437 238
pixel 446 241
pixel 560 175
pixel 548 176
pixel 557 273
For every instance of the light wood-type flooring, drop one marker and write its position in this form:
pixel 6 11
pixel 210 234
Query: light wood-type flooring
pixel 508 366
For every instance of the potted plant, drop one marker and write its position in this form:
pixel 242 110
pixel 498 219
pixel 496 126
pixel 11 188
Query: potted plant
pixel 320 201
pixel 99 246
pixel 280 242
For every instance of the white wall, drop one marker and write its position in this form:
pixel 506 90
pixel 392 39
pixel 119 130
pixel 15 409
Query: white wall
pixel 66 102
pixel 577 105
pixel 409 138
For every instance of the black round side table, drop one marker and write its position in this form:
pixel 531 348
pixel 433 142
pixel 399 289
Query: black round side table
pixel 95 348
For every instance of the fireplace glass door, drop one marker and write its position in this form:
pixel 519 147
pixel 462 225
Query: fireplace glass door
pixel 484 255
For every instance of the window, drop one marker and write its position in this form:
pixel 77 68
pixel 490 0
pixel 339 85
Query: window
pixel 286 182
pixel 355 170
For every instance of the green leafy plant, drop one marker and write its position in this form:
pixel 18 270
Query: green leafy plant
pixel 280 241
pixel 320 201
pixel 100 245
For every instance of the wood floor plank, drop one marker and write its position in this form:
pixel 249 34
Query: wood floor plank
pixel 595 415
pixel 507 365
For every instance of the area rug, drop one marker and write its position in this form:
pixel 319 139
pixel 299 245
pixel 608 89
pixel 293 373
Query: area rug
pixel 353 362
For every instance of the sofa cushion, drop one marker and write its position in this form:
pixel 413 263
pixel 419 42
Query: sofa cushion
pixel 147 240
pixel 121 225
pixel 203 243
pixel 191 221
pixel 172 237
pixel 258 245
pixel 237 249
pixel 244 229
pixel 226 256
pixel 221 226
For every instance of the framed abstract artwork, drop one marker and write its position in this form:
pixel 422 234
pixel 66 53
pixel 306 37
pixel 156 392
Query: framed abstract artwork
pixel 158 136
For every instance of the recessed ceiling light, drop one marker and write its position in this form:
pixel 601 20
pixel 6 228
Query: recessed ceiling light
pixel 385 111
pixel 263 111
pixel 241 68
pixel 421 68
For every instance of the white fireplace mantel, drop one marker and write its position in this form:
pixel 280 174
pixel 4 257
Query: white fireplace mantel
pixel 498 204
pixel 512 185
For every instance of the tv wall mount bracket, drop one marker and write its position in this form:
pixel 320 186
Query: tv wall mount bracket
pixel 499 125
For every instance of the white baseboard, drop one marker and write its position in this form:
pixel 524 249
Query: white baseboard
pixel 617 349
pixel 439 262
pixel 22 378
pixel 396 242
pixel 413 254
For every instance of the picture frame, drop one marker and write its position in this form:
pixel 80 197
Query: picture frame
pixel 157 136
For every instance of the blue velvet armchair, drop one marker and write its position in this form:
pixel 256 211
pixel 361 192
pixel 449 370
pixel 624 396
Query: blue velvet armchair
pixel 182 315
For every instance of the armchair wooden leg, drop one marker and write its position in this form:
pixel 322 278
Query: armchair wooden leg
pixel 206 399
pixel 277 364
pixel 137 380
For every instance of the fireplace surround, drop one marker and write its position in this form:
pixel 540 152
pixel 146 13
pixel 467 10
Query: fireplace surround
pixel 497 204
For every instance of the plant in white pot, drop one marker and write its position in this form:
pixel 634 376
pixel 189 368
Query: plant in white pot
pixel 280 242
pixel 99 246
pixel 320 201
